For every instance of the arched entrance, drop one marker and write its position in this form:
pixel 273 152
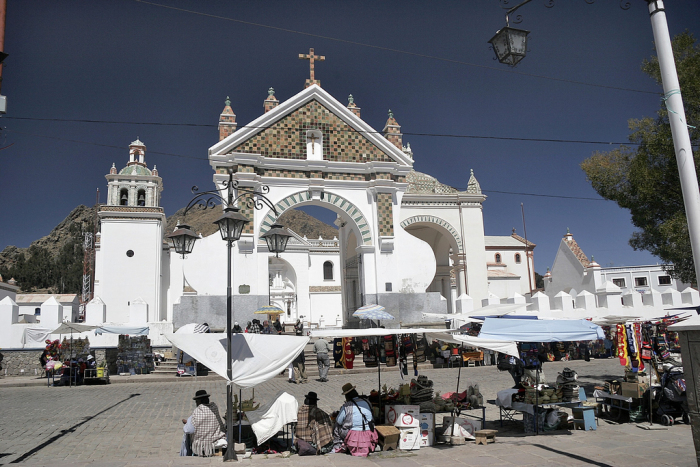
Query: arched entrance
pixel 353 232
pixel 283 288
pixel 445 243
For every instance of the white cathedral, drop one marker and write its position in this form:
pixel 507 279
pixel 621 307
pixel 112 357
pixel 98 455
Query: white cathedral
pixel 405 241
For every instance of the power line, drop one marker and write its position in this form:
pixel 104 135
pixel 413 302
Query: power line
pixel 389 49
pixel 206 159
pixel 432 135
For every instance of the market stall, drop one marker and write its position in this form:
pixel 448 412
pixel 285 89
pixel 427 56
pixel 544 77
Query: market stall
pixel 538 402
pixel 417 399
pixel 256 358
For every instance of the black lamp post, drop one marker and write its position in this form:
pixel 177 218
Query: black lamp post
pixel 510 44
pixel 231 225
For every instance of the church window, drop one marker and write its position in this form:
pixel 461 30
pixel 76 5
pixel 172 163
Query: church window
pixel 664 280
pixel 328 271
pixel 141 198
pixel 124 197
pixel 130 253
pixel 640 281
pixel 619 282
pixel 517 258
pixel 37 311
pixel 498 258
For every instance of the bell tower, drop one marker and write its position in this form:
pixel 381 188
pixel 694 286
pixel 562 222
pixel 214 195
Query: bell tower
pixel 129 248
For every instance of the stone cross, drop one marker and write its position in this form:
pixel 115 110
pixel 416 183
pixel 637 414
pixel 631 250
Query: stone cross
pixel 311 57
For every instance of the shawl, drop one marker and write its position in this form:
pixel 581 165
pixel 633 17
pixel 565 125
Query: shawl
pixel 208 428
pixel 340 431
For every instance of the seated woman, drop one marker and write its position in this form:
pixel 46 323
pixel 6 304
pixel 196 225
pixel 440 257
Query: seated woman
pixel 352 432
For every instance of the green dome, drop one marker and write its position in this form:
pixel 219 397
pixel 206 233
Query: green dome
pixel 135 169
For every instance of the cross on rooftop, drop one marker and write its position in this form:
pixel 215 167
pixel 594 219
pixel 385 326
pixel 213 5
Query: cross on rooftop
pixel 311 57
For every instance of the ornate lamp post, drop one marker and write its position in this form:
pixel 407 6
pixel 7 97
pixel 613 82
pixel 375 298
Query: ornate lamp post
pixel 231 225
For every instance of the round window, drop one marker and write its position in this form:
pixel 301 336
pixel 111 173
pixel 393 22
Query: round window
pixel 130 253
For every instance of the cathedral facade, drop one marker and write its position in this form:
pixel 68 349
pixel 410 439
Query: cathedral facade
pixel 405 241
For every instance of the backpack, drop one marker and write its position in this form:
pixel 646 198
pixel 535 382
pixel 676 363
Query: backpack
pixel 505 362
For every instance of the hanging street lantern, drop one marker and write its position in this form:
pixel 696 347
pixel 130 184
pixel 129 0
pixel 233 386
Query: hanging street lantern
pixel 182 239
pixel 276 238
pixel 231 224
pixel 510 45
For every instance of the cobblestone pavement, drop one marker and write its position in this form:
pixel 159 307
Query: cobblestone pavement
pixel 138 424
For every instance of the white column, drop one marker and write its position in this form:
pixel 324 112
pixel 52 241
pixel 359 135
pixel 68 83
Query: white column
pixel 679 129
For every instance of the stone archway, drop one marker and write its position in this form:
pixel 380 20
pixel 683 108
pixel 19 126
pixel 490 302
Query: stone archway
pixel 436 220
pixel 362 229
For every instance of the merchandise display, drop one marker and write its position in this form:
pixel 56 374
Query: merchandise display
pixel 135 355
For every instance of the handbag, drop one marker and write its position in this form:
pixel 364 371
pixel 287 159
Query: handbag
pixel 305 449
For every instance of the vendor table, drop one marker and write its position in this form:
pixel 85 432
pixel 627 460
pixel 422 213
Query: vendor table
pixel 508 409
pixel 467 413
pixel 613 401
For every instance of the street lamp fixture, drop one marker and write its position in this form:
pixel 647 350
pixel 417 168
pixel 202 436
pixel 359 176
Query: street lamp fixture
pixel 277 238
pixel 231 224
pixel 182 239
pixel 510 44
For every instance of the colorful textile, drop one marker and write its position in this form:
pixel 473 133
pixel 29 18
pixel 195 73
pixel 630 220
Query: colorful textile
pixel 622 345
pixel 349 353
pixel 338 352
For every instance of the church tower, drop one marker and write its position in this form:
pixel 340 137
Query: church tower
pixel 129 249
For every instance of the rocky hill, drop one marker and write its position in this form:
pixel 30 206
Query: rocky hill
pixel 54 263
pixel 202 221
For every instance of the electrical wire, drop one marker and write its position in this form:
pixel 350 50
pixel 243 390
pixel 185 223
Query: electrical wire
pixel 204 158
pixel 406 133
pixel 389 49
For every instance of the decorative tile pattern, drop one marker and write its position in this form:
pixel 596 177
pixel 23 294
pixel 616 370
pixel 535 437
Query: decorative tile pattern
pixel 435 220
pixel 385 214
pixel 286 139
pixel 337 201
pixel 344 176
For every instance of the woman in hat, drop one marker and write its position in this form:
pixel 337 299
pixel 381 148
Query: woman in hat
pixel 354 426
pixel 208 426
pixel 314 425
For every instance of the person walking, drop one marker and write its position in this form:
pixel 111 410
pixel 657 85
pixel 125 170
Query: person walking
pixel 321 349
pixel 299 365
pixel 298 328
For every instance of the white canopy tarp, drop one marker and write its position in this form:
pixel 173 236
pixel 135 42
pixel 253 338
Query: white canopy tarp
pixel 35 335
pixel 488 310
pixel 531 330
pixel 506 347
pixel 269 419
pixel 256 358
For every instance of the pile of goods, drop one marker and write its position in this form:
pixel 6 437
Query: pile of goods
pixel 567 382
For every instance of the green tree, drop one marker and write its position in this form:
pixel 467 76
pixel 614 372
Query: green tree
pixel 645 180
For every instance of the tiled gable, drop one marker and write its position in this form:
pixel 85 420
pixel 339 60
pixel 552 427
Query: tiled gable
pixel 286 138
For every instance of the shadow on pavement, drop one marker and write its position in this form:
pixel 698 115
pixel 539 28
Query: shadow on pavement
pixel 573 456
pixel 65 432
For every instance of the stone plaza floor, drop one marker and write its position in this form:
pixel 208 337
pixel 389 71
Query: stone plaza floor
pixel 139 424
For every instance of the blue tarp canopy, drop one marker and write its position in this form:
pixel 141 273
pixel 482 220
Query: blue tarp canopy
pixel 482 318
pixel 550 330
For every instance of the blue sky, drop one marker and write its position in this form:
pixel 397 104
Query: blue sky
pixel 135 62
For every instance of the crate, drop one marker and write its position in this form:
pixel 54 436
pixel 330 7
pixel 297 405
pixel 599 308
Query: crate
pixel 388 436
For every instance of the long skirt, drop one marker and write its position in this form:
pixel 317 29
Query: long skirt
pixel 361 443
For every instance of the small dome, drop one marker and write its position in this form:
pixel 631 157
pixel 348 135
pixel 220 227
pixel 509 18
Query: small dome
pixel 135 169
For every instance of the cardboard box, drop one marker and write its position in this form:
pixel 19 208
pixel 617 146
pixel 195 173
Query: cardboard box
pixel 462 426
pixel 388 436
pixel 409 439
pixel 635 390
pixel 427 429
pixel 402 416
